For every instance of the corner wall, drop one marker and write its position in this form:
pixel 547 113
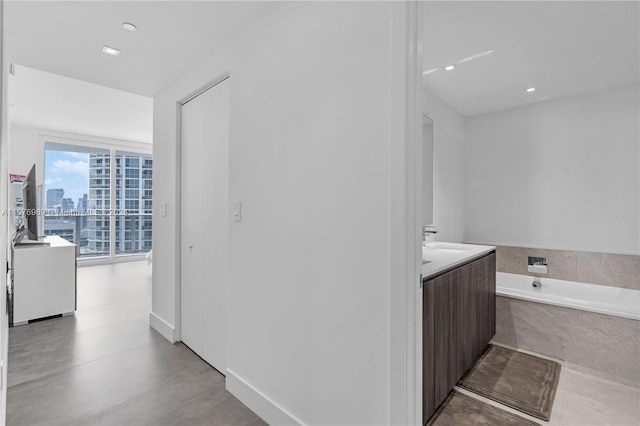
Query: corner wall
pixel 309 291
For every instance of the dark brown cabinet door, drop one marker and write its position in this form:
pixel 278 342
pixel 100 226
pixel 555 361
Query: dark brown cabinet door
pixel 458 321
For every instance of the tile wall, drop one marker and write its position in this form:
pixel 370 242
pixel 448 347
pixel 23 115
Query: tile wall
pixel 602 343
pixel 616 270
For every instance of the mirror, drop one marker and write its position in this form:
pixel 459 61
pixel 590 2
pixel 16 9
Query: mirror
pixel 427 170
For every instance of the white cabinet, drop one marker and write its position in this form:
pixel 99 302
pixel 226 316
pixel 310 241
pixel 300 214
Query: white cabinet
pixel 43 280
pixel 204 228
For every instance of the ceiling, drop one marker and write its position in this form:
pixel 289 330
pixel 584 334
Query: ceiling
pixel 562 48
pixel 49 101
pixel 66 38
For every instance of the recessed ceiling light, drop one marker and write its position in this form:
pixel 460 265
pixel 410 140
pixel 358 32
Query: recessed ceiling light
pixel 429 71
pixel 128 26
pixel 450 67
pixel 530 89
pixel 110 50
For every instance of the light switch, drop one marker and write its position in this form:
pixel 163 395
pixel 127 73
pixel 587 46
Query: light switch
pixel 237 211
pixel 163 209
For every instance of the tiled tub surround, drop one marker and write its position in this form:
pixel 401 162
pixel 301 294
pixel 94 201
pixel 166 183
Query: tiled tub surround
pixel 616 270
pixel 599 343
pixel 602 343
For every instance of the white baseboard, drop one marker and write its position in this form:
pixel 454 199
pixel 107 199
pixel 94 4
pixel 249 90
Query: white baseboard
pixel 258 402
pixel 161 326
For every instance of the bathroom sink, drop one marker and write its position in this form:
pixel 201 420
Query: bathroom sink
pixel 451 248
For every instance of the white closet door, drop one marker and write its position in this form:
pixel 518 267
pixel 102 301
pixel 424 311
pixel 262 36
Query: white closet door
pixel 205 214
pixel 191 238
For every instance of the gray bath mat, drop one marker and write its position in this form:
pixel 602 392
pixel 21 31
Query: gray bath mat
pixel 460 409
pixel 518 380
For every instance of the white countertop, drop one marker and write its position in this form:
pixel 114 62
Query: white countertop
pixel 442 256
pixel 49 240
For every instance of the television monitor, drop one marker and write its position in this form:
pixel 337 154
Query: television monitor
pixel 30 200
pixel 28 233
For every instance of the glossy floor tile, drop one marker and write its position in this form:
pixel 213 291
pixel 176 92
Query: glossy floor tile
pixel 106 366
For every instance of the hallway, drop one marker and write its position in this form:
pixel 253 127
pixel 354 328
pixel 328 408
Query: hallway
pixel 105 365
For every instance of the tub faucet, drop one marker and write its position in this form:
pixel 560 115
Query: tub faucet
pixel 536 284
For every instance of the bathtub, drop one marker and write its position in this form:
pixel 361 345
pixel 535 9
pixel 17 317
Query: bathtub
pixel 620 302
pixel 589 326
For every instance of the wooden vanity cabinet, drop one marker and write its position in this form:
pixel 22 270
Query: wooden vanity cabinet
pixel 459 320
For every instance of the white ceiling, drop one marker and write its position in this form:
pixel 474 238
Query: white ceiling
pixel 66 38
pixel 562 48
pixel 49 101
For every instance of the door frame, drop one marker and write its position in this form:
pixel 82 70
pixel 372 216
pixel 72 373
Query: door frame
pixel 406 212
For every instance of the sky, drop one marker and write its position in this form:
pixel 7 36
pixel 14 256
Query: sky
pixel 67 170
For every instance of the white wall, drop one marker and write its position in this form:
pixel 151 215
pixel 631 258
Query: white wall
pixel 309 159
pixel 561 174
pixel 26 149
pixel 448 168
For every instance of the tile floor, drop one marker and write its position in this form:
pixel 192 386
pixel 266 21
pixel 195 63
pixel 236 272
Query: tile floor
pixel 105 365
pixel 586 400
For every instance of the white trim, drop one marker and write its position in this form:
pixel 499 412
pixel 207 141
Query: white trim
pixel 414 177
pixel 177 226
pixel 162 327
pixel 203 89
pixel 258 402
pixel 404 233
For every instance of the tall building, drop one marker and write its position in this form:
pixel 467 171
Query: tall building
pixel 67 204
pixel 54 197
pixel 133 203
pixel 82 203
pixel 98 199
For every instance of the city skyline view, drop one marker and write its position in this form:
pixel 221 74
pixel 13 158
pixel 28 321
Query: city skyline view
pixel 68 171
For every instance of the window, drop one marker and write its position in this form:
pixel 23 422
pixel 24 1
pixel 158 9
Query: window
pixel 131 161
pixel 132 173
pixel 78 189
pixel 131 194
pixel 131 205
pixel 132 183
